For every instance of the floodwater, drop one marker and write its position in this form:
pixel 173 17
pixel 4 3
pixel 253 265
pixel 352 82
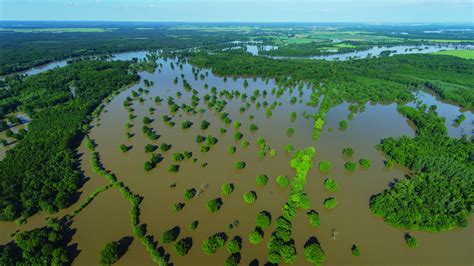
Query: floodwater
pixel 62 63
pixel 377 50
pixel 352 218
pixel 450 112
pixel 107 217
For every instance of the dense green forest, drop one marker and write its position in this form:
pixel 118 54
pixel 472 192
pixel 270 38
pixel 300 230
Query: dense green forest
pixel 48 245
pixel 438 195
pixel 41 171
pixel 377 79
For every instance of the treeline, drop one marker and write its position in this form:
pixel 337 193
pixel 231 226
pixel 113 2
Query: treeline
pixel 438 195
pixel 375 79
pixel 41 171
pixel 23 50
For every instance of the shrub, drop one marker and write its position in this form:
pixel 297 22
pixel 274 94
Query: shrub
pixel 148 166
pixel 210 140
pixel 178 206
pixel 350 166
pixel 214 205
pixel 109 254
pixel 283 181
pixel 200 139
pixel 250 197
pixel 205 148
pixel 178 157
pixel 410 240
pixel 331 185
pixel 237 124
pixel 245 143
pixel 273 153
pixel 186 124
pixel 240 165
pixel 314 254
pixel 189 193
pixel 261 143
pixel 343 124
pixel 365 163
pixel 289 148
pixel 253 127
pixel 213 243
pixel 348 152
pixel 313 218
pixel 355 250
pixel 256 236
pixel 174 168
pixel 170 235
pixel 147 120
pixel 330 203
pixel 192 226
pixel 183 246
pixel 290 131
pixel 222 130
pixel 150 148
pixel 238 136
pixel 262 180
pixel 325 166
pixel 293 116
pixel 204 124
pixel 263 220
pixel 227 188
pixel 187 154
pixel 234 245
pixel 125 148
pixel 165 147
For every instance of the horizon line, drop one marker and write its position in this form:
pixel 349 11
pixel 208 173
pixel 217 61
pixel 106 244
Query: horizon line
pixel 158 21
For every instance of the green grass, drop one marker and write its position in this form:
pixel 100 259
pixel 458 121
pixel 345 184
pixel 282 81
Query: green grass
pixel 466 54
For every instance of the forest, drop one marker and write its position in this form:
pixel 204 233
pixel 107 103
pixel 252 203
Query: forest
pixel 438 195
pixel 41 171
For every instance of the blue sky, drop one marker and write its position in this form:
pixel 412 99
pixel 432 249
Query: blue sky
pixel 241 10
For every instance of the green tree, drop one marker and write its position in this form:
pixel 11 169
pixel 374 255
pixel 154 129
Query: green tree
pixel 283 181
pixel 355 251
pixel 364 163
pixel 183 246
pixel 214 205
pixel 227 188
pixel 350 166
pixel 250 197
pixel 410 240
pixel 331 185
pixel 330 203
pixel 263 220
pixel 261 180
pixel 314 254
pixel 256 236
pixel 109 253
pixel 325 166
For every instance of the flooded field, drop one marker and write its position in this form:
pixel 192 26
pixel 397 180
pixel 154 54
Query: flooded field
pixel 107 217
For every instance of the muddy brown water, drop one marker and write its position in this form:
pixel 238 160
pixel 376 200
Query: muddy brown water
pixel 107 217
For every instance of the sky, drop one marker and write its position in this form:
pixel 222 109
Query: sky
pixel 241 10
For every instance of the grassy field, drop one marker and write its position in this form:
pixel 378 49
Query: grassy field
pixel 59 30
pixel 467 54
